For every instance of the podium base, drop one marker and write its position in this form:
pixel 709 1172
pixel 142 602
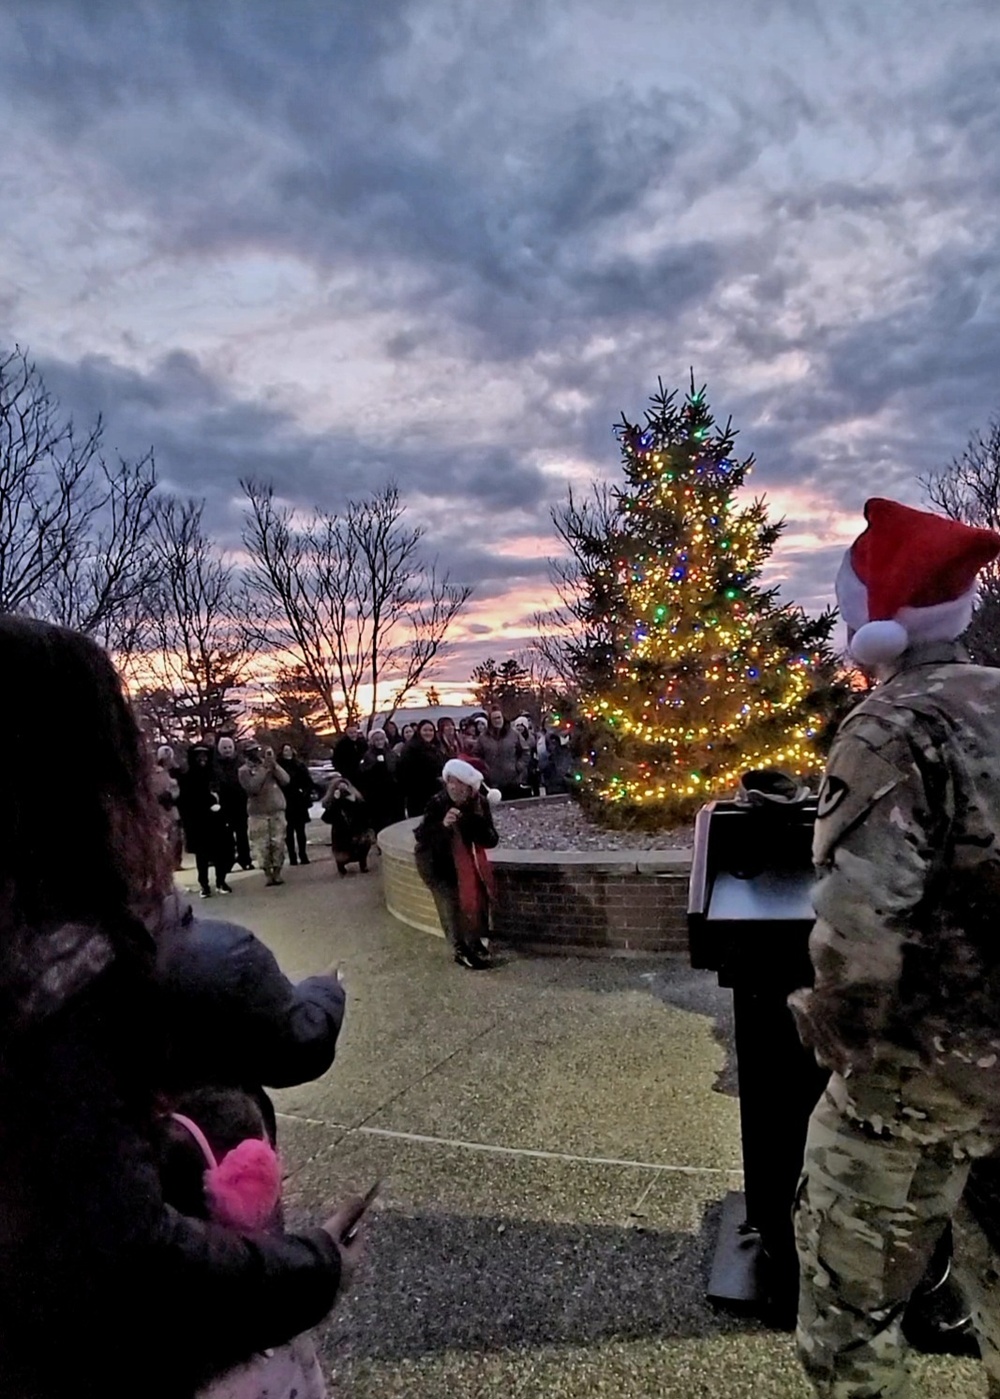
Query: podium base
pixel 737 1276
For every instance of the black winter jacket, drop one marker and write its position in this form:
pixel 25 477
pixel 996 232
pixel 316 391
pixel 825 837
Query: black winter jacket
pixel 418 773
pixel 104 1289
pixel 300 790
pixel 347 755
pixel 378 785
pixel 234 1018
pixel 433 838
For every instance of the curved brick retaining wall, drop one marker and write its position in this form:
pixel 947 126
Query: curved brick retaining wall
pixel 603 903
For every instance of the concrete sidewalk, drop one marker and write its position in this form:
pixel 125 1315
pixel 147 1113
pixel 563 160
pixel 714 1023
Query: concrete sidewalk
pixel 555 1137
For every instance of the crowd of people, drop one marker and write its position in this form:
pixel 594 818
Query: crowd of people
pixel 398 771
pixel 250 808
pixel 142 1246
pixel 228 808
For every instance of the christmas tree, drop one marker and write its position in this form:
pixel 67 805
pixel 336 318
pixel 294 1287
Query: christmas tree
pixel 692 673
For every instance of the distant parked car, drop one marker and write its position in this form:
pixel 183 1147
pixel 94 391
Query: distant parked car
pixel 321 774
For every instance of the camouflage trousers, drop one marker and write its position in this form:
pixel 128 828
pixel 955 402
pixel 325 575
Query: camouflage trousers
pixel 886 1162
pixel 267 837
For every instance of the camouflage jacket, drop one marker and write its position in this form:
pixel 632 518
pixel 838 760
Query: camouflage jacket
pixel 906 948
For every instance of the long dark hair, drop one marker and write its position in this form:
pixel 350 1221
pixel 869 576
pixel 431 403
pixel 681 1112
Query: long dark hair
pixel 80 836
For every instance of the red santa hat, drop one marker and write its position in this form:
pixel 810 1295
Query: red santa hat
pixel 910 578
pixel 468 770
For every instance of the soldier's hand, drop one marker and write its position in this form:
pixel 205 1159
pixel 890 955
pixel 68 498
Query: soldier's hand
pixel 836 1044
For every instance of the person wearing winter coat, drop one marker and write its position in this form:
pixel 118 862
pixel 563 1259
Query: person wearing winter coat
pixel 447 736
pixel 298 799
pixel 349 750
pixel 239 1024
pixel 406 734
pixel 451 844
pixel 216 1162
pixel 419 770
pixel 237 1018
pixel 468 738
pixel 206 834
pixel 377 783
pixel 345 813
pixel 505 754
pixel 264 780
pixel 167 790
pixel 233 799
pixel 556 765
pixel 532 772
pixel 100 1280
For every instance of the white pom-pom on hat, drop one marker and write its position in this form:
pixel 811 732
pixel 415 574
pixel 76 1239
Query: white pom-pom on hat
pixel 493 795
pixel 877 643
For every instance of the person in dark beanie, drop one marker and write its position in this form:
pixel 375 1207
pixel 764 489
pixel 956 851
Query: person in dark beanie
pixel 556 764
pixel 206 834
pixel 298 799
pixel 349 750
pixel 451 844
pixel 419 769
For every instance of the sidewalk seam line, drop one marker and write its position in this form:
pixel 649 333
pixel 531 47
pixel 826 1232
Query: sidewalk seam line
pixel 533 1153
pixel 416 1082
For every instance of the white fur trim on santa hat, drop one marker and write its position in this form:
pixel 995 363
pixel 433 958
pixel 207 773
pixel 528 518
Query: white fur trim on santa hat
pixel 464 772
pixel 885 639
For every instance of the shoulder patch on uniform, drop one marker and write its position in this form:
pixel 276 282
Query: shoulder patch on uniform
pixel 831 793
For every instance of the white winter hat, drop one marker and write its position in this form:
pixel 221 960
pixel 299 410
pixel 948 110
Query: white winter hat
pixel 909 578
pixel 462 771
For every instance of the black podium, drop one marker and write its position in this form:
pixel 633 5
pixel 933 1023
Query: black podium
pixel 749 919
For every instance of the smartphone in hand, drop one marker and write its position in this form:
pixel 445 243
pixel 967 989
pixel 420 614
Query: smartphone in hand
pixel 351 1232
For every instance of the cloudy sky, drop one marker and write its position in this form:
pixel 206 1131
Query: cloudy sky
pixel 446 241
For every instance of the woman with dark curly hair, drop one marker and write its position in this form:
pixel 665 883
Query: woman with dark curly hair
pixel 100 1280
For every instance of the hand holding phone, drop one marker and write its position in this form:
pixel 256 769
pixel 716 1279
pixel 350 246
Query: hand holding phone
pixel 362 1207
pixel 346 1229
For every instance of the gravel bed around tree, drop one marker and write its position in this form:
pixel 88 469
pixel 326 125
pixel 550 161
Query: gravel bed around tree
pixel 563 826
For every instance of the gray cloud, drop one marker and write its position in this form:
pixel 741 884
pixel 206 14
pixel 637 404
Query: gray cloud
pixel 545 201
pixel 206 440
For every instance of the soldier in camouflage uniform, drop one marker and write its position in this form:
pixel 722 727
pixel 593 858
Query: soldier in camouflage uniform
pixel 906 1005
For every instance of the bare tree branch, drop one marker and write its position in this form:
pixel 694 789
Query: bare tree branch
pixel 73 530
pixel 202 648
pixel 969 490
pixel 349 598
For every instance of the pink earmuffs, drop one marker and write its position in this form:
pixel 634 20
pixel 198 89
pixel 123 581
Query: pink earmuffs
pixel 243 1189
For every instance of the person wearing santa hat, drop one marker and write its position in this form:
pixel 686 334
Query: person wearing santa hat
pixel 905 1009
pixel 451 842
